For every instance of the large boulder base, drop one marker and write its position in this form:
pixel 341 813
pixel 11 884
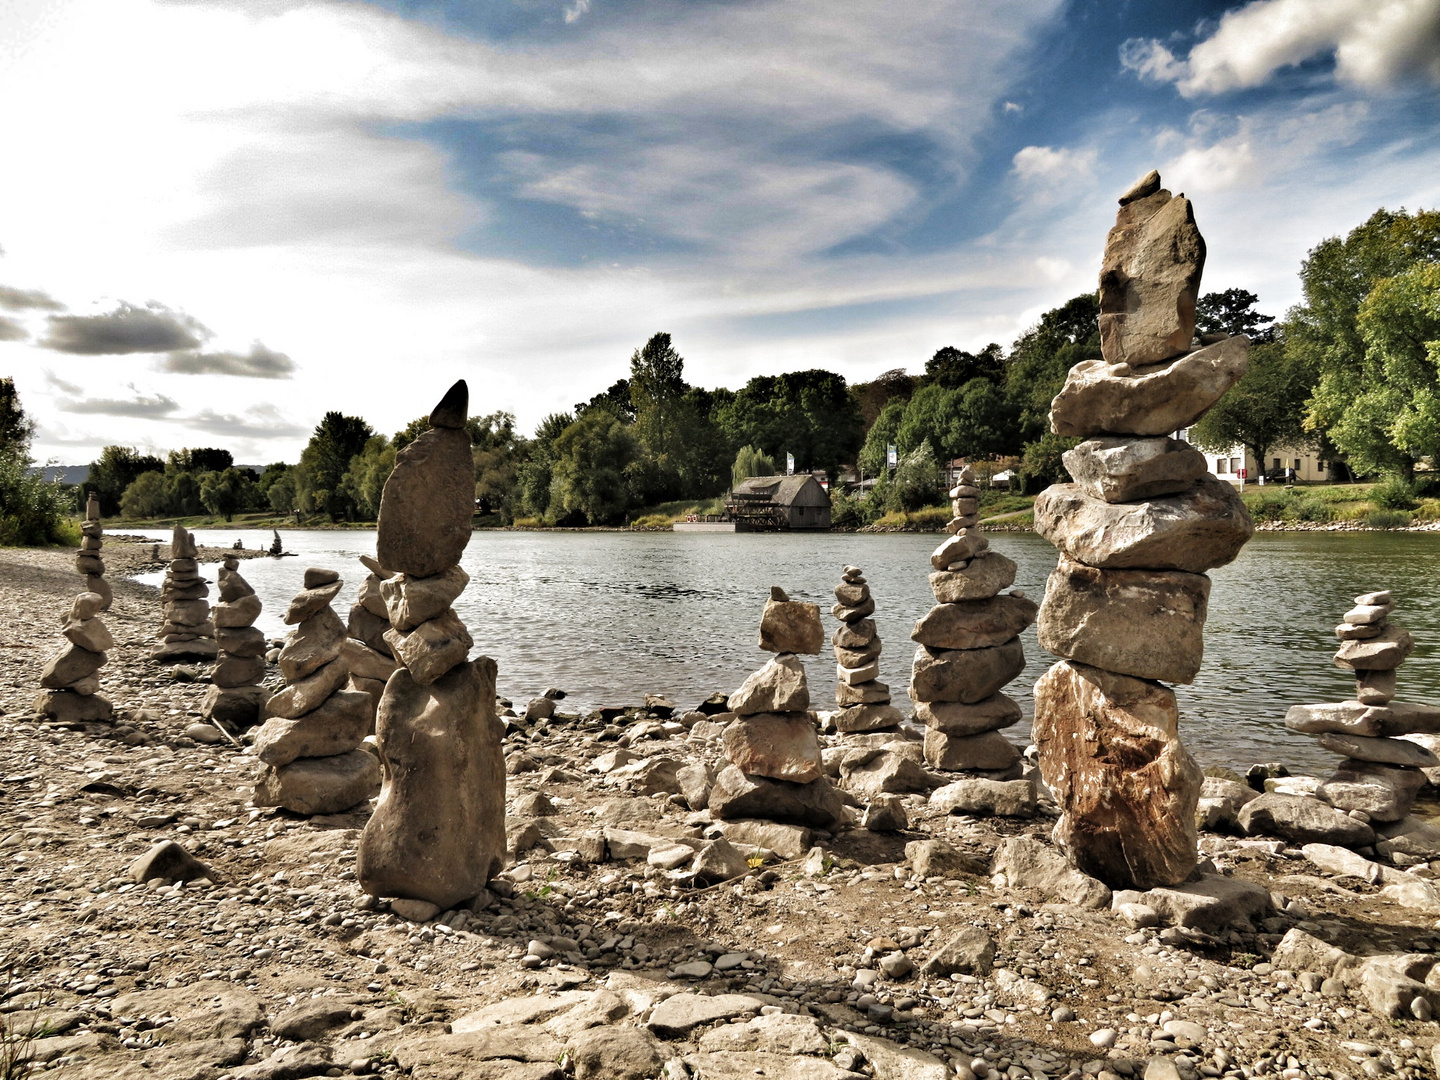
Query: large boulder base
pixel 325 785
pixel 1148 624
pixel 782 746
pixel 339 724
pixel 1110 752
pixel 1194 531
pixel 438 831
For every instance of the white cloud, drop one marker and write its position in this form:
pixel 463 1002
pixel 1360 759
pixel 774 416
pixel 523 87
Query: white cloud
pixel 1050 167
pixel 1374 43
pixel 576 10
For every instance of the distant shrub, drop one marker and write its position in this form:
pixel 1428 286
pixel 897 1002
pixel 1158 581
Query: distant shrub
pixel 1387 519
pixel 1394 494
pixel 1268 505
pixel 929 517
pixel 1307 508
pixel 33 511
pixel 850 513
pixel 653 521
pixel 1427 486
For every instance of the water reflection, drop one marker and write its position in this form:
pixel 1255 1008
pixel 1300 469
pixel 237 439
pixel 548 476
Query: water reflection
pixel 611 616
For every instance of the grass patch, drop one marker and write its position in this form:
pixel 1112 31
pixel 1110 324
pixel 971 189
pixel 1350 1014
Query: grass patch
pixel 1387 519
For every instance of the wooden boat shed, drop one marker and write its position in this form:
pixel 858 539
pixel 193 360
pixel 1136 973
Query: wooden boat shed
pixel 778 503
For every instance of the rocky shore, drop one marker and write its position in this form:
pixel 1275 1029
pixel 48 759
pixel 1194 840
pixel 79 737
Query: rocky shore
pixel 630 935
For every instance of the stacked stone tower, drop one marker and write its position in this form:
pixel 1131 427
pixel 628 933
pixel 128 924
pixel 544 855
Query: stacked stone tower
pixel 1136 530
pixel 1380 775
pixel 310 743
pixel 188 632
pixel 438 831
pixel 70 681
pixel 863 699
pixel 969 648
pixel 236 696
pixel 773 745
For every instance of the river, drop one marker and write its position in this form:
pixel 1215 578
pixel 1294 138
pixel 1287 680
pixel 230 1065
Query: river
pixel 608 617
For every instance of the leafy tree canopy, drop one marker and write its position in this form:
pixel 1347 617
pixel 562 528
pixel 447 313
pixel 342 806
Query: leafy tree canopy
pixel 1233 312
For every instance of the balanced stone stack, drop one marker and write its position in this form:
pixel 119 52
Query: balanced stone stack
pixel 236 696
pixel 188 632
pixel 310 743
pixel 438 831
pixel 366 650
pixel 1380 775
pixel 969 648
pixel 863 699
pixel 1136 531
pixel 70 681
pixel 773 745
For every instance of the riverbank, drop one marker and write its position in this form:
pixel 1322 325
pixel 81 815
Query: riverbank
pixel 588 958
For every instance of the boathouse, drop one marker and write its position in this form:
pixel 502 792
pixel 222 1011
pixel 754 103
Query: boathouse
pixel 764 503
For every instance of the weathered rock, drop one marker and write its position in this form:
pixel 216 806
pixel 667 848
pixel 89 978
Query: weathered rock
pixel 614 1053
pixel 339 724
pixel 965 675
pixel 718 860
pixel 87 605
pixel 203 1010
pixel 1355 718
pixel 857 676
pixel 1028 863
pixel 1214 903
pixel 432 648
pixel 971 951
pixel 1120 470
pixel 988 751
pixel 438 831
pixel 777 1033
pixel 1382 750
pixel 876 717
pixel 738 795
pixel 695 781
pixel 324 785
pixel 1383 792
pixel 777 687
pixel 170 861
pixel 241 706
pixel 885 772
pixel 1150 280
pixel 1110 752
pixel 1203 527
pixel 1100 398
pixel 1375 687
pixel 787 841
pixel 233 671
pixel 240 640
pixel 891 1061
pixel 369 628
pixel 89 634
pixel 991 798
pixel 192 649
pixel 959 547
pixel 791 626
pixel 309 693
pixel 311 601
pixel 236 613
pixel 493 1052
pixel 427 504
pixel 854 658
pixel 987 575
pixel 854 635
pixel 1220 803
pixel 782 746
pixel 312 644
pixel 69 666
pixel 958 718
pixel 886 813
pixel 975 624
pixel 677 1016
pixel 68 707
pixel 1382 653
pixel 1303 820
pixel 1408 836
pixel 410 601
pixel 873 692
pixel 853 614
pixel 1148 624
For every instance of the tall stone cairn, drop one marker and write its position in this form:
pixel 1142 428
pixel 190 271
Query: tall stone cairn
pixel 1136 530
pixel 438 831
pixel 773 744
pixel 863 699
pixel 1380 775
pixel 236 696
pixel 969 648
pixel 310 742
pixel 366 650
pixel 188 632
pixel 70 683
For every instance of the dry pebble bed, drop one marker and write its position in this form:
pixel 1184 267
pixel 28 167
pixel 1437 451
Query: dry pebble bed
pixel 596 954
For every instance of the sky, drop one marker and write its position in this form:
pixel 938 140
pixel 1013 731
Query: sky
pixel 221 218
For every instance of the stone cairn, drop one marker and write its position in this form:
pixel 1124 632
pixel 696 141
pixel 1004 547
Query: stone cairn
pixel 236 696
pixel 70 685
pixel 1380 775
pixel 188 632
pixel 310 743
pixel 863 699
pixel 773 743
pixel 1143 520
pixel 366 650
pixel 969 648
pixel 438 831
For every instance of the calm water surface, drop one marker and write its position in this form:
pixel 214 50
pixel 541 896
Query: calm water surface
pixel 609 617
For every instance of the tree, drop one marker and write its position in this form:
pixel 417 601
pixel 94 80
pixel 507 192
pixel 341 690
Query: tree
pixel 533 475
pixel 880 391
pixel 16 429
pixel 917 480
pixel 497 452
pixel 616 399
pixel 751 461
pixel 324 462
pixel 588 475
pixel 952 368
pixel 281 492
pixel 145 497
pixel 1351 405
pixel 365 477
pixel 1400 325
pixel 873 457
pixel 1264 410
pixel 1233 312
pixel 657 387
pixel 1039 360
pixel 114 471
pixel 203 459
pixel 806 413
pixel 227 491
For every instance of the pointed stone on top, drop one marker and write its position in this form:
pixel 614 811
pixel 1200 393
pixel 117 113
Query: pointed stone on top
pixel 92 507
pixel 1146 185
pixel 182 544
pixel 451 411
pixel 373 565
pixel 779 595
